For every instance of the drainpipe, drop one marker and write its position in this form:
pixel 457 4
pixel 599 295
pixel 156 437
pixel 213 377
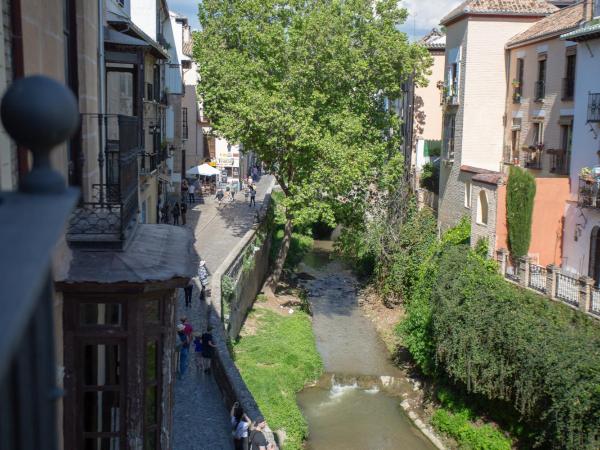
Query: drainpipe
pixel 101 97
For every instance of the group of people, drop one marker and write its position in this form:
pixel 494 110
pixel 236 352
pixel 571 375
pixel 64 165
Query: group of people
pixel 177 211
pixel 246 436
pixel 203 348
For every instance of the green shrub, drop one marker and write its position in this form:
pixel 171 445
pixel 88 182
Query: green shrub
pixel 520 193
pixel 415 330
pixel 276 363
pixel 509 344
pixel 430 177
pixel 468 435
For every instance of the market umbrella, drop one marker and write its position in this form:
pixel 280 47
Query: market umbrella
pixel 204 170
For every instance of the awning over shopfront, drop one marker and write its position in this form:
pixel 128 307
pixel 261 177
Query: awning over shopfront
pixel 203 170
pixel 125 27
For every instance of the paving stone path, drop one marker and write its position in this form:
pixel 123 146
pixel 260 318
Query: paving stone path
pixel 201 421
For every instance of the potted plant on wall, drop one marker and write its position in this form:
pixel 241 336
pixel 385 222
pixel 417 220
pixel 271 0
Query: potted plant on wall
pixel 585 174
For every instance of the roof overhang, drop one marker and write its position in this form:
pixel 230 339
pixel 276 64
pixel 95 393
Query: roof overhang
pixel 127 27
pixel 490 15
pixel 538 39
pixel 584 33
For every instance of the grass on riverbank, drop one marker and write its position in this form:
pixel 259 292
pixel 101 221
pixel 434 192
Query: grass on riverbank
pixel 277 362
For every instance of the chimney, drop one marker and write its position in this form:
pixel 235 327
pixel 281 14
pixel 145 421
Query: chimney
pixel 588 10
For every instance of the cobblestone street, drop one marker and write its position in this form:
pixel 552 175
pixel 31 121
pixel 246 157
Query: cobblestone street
pixel 201 421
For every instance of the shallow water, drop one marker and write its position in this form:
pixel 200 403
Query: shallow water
pixel 356 404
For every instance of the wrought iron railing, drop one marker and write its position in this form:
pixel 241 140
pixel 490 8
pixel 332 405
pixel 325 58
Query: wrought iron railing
pixel 109 213
pixel 595 301
pixel 533 159
pixel 148 163
pixel 512 271
pixel 540 90
pixel 594 107
pixel 589 192
pixel 567 289
pixel 568 89
pixel 537 278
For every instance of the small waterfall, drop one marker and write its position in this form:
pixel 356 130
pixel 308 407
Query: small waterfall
pixel 337 390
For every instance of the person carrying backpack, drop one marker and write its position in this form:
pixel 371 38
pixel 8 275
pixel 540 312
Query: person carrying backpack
pixel 257 439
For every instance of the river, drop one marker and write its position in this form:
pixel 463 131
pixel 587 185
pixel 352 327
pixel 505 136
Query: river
pixel 356 404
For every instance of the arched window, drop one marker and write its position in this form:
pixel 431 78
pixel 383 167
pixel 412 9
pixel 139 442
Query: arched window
pixel 482 209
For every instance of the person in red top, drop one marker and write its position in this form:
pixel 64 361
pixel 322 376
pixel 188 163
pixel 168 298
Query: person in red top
pixel 187 330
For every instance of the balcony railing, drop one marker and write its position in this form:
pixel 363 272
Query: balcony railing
pixel 589 192
pixel 533 158
pixel 105 219
pixel 568 89
pixel 509 156
pixel 148 163
pixel 560 162
pixel 540 90
pixel 594 107
pixel 579 292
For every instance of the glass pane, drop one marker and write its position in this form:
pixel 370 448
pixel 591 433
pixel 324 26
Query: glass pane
pixel 151 405
pixel 150 441
pixel 102 364
pixel 152 311
pixel 111 443
pixel 151 360
pixel 101 412
pixel 100 314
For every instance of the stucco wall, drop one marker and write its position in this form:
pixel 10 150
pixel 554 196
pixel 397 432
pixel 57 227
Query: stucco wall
pixel 551 108
pixel 428 111
pixel 486 87
pixel 547 222
pixel 479 43
pixel 586 142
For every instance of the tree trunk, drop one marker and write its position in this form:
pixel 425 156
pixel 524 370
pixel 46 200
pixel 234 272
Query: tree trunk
pixel 273 280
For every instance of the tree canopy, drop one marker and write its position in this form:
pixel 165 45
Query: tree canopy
pixel 304 84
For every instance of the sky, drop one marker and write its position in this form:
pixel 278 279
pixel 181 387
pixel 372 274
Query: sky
pixel 424 14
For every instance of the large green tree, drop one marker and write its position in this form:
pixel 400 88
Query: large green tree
pixel 303 83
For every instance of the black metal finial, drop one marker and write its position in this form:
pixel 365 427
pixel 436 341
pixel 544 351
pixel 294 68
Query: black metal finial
pixel 40 113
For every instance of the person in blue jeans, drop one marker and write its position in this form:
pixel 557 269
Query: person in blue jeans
pixel 198 353
pixel 184 349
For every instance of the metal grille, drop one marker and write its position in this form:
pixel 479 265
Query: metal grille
pixel 595 306
pixel 567 289
pixel 537 278
pixel 594 107
pixel 512 272
pixel 589 192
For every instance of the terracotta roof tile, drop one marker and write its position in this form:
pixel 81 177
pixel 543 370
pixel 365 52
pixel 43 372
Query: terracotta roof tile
pixel 558 23
pixel 434 40
pixel 188 48
pixel 501 7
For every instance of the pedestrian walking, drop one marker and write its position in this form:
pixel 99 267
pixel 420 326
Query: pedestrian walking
pixel 208 349
pixel 220 196
pixel 184 349
pixel 240 425
pixel 203 275
pixel 176 213
pixel 192 193
pixel 188 294
pixel 188 329
pixel 252 196
pixel 198 352
pixel 184 190
pixel 257 439
pixel 165 213
pixel 183 213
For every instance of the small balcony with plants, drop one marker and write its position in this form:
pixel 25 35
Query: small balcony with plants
pixel 517 92
pixel 560 161
pixel 449 94
pixel 589 187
